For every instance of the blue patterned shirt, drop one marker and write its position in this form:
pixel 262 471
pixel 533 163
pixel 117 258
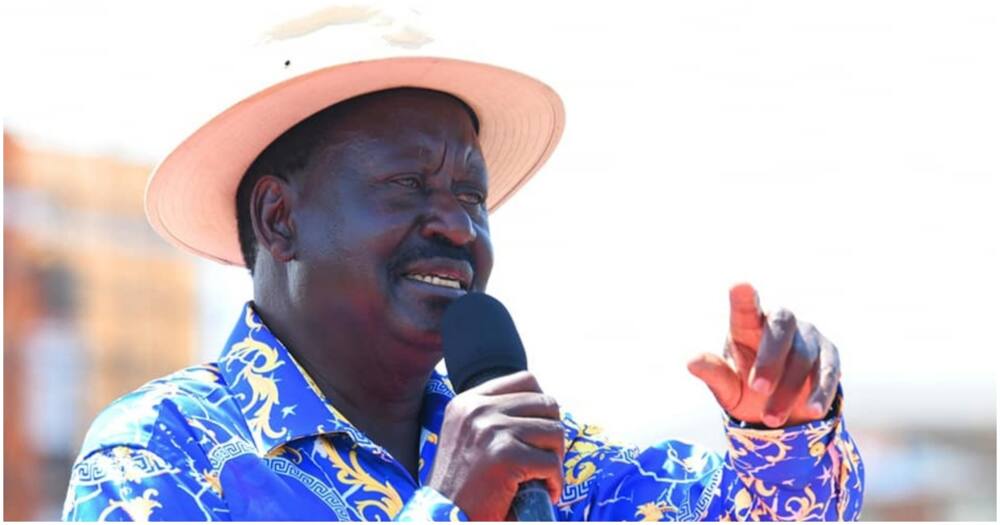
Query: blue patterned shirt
pixel 251 437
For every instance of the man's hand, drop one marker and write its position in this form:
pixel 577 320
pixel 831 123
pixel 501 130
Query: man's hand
pixel 494 437
pixel 776 369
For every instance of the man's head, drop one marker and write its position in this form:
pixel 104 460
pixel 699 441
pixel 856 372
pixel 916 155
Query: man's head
pixel 369 212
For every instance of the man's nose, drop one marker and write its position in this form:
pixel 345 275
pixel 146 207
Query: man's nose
pixel 447 218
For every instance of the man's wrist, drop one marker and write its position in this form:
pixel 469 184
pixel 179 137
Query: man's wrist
pixel 834 412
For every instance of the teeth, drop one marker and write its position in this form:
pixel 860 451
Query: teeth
pixel 435 280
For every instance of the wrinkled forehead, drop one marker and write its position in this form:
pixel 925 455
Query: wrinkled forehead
pixel 398 122
pixel 393 117
pixel 402 107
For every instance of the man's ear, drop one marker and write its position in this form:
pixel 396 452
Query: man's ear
pixel 271 214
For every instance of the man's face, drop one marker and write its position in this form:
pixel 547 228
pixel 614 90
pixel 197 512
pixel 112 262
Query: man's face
pixel 391 219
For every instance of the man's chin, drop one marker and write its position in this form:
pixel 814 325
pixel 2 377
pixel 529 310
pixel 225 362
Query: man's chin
pixel 420 329
pixel 417 311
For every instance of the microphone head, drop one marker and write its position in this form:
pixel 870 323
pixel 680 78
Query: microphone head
pixel 480 341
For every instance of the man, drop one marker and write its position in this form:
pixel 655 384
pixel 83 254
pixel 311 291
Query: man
pixel 359 225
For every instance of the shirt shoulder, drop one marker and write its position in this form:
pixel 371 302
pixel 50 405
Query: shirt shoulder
pixel 179 400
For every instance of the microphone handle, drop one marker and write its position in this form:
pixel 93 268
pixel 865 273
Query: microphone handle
pixel 532 503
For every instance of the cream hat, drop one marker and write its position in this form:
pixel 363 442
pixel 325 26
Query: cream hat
pixel 191 195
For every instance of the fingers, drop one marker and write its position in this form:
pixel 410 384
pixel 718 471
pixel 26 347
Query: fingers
pixel 522 381
pixel 494 437
pixel 527 404
pixel 518 394
pixel 532 463
pixel 745 318
pixel 791 370
pixel 827 378
pixel 720 378
pixel 543 434
pixel 536 451
pixel 740 357
pixel 776 343
pixel 799 364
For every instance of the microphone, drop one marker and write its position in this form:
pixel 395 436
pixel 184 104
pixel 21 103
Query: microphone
pixel 481 343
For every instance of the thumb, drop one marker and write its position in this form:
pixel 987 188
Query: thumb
pixel 720 378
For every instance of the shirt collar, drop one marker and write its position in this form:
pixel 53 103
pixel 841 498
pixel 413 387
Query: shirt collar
pixel 281 403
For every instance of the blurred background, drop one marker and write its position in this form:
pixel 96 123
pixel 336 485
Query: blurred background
pixel 841 157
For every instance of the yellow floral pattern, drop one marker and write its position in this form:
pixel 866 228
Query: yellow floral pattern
pixel 139 508
pixel 354 475
pixel 261 359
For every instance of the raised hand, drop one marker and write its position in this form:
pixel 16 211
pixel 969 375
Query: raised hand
pixel 774 370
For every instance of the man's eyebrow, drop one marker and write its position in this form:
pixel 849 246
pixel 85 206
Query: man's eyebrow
pixel 475 155
pixel 475 166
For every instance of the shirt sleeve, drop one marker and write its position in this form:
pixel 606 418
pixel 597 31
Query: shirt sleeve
pixel 131 483
pixel 428 504
pixel 804 472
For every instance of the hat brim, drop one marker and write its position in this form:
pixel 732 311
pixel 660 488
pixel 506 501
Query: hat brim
pixel 191 196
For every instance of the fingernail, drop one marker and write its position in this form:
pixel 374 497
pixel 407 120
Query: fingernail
pixel 760 385
pixel 772 420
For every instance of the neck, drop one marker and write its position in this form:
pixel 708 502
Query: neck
pixel 360 375
pixel 387 410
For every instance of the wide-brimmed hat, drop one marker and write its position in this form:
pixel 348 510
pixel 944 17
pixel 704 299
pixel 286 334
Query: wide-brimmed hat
pixel 191 195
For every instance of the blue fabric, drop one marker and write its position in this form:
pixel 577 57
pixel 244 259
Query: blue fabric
pixel 251 437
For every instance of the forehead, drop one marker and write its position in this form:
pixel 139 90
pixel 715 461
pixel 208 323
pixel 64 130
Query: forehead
pixel 400 129
pixel 401 115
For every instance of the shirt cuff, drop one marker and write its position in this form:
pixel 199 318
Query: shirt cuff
pixel 428 504
pixel 788 455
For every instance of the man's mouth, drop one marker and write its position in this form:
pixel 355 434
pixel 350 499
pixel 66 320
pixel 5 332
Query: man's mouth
pixel 443 272
pixel 436 280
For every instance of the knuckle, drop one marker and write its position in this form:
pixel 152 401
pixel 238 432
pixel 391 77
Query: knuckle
pixel 475 410
pixel 804 347
pixel 481 426
pixel 783 317
pixel 553 431
pixel 497 446
pixel 506 449
pixel 522 375
pixel 531 380
pixel 555 463
pixel 550 404
pixel 804 352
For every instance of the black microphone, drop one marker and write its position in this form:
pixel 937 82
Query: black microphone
pixel 481 343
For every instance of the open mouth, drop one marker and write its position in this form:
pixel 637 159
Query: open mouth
pixel 452 274
pixel 436 280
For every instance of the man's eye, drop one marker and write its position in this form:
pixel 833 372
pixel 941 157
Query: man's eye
pixel 473 198
pixel 407 182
